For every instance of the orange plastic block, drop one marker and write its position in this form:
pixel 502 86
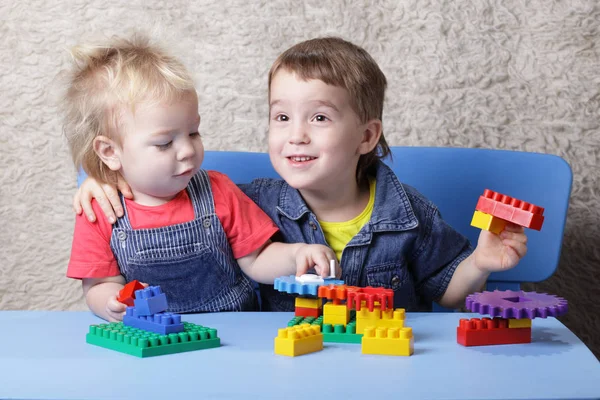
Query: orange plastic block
pixel 371 296
pixel 308 312
pixel 127 294
pixel 510 209
pixel 388 341
pixel 336 293
pixel 488 222
pixel 487 331
pixel 298 340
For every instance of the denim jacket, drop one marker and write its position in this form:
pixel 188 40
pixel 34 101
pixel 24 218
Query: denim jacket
pixel 406 246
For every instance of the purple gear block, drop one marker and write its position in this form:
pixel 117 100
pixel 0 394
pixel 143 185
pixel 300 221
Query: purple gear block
pixel 519 304
pixel 289 284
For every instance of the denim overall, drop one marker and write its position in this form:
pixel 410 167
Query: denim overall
pixel 192 262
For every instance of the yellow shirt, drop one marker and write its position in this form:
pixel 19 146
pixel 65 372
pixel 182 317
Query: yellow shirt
pixel 338 234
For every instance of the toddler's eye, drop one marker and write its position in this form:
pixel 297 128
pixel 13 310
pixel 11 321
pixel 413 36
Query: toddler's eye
pixel 282 118
pixel 320 118
pixel 164 146
pixel 195 134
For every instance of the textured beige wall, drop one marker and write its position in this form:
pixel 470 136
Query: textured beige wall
pixel 477 73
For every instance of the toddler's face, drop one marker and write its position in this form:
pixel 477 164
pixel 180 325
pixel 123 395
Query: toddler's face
pixel 161 149
pixel 314 134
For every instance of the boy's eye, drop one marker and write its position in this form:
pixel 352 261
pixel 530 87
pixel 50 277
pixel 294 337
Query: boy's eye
pixel 164 146
pixel 195 134
pixel 282 118
pixel 320 118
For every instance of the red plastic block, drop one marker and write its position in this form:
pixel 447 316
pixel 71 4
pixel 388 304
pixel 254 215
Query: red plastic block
pixel 308 312
pixel 487 331
pixel 370 295
pixel 127 294
pixel 510 209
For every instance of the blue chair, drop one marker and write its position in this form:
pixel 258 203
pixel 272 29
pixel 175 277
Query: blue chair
pixel 454 178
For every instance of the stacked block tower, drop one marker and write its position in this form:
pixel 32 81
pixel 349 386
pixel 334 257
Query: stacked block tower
pixel 147 330
pixel 494 210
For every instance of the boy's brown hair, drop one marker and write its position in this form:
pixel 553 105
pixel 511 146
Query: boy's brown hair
pixel 123 72
pixel 340 63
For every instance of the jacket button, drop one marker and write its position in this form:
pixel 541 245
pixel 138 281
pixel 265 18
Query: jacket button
pixel 395 282
pixel 313 225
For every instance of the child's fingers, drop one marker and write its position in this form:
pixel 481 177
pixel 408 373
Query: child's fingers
pixel 519 247
pixel 518 236
pixel 115 202
pixel 510 227
pixel 124 188
pixel 86 203
pixel 77 204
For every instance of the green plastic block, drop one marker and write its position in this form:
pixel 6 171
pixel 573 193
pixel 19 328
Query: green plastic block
pixel 332 334
pixel 141 343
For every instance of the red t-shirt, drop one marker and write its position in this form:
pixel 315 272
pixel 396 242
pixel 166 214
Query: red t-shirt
pixel 246 226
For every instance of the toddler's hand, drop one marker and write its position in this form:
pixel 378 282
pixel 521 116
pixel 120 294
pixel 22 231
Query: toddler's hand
pixel 105 194
pixel 115 309
pixel 318 257
pixel 500 252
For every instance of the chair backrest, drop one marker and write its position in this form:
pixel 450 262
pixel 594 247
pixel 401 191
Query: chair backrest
pixel 454 178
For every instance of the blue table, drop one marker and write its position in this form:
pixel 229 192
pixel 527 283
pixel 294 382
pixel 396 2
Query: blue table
pixel 43 355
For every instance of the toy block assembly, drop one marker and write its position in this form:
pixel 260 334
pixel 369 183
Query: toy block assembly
pixel 298 340
pixel 150 300
pixel 487 331
pixel 332 333
pixel 307 312
pixel 488 222
pixel 519 323
pixel 161 323
pixel 140 343
pixel 510 209
pixel 336 314
pixel 307 302
pixel 357 297
pixel 388 341
pixel 127 294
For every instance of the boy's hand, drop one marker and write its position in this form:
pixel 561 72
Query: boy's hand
pixel 500 252
pixel 105 194
pixel 115 309
pixel 318 257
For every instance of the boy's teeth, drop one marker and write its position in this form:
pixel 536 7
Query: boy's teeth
pixel 300 159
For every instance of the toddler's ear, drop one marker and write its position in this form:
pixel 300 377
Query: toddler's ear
pixel 371 136
pixel 108 151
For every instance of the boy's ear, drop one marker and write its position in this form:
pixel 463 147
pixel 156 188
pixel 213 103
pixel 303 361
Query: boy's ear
pixel 108 151
pixel 371 136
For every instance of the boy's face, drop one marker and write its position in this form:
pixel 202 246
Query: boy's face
pixel 314 134
pixel 161 149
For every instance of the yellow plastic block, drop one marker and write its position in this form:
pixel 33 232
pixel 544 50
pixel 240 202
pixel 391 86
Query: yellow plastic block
pixel 297 340
pixel 308 303
pixel 519 323
pixel 392 318
pixel 366 318
pixel 336 314
pixel 388 341
pixel 488 222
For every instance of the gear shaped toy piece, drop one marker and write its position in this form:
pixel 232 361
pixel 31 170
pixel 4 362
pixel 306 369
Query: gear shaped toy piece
pixel 290 284
pixel 516 304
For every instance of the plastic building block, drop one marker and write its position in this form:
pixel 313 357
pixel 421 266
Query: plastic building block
pixel 519 323
pixel 336 293
pixel 161 323
pixel 488 222
pixel 336 314
pixel 510 209
pixel 310 278
pixel 306 302
pixel 388 341
pixel 370 295
pixel 127 294
pixel 487 331
pixel 298 340
pixel 308 312
pixel 298 320
pixel 139 343
pixel 150 300
pixel 289 284
pixel 341 334
pixel 516 304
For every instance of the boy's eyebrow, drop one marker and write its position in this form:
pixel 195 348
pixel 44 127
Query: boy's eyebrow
pixel 169 131
pixel 318 102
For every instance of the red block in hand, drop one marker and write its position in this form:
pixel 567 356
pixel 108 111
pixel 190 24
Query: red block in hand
pixel 127 294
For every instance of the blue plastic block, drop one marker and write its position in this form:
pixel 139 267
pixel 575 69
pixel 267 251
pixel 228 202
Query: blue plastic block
pixel 163 323
pixel 150 300
pixel 288 284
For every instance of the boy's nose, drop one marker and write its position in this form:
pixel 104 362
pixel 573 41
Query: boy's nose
pixel 186 151
pixel 299 134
